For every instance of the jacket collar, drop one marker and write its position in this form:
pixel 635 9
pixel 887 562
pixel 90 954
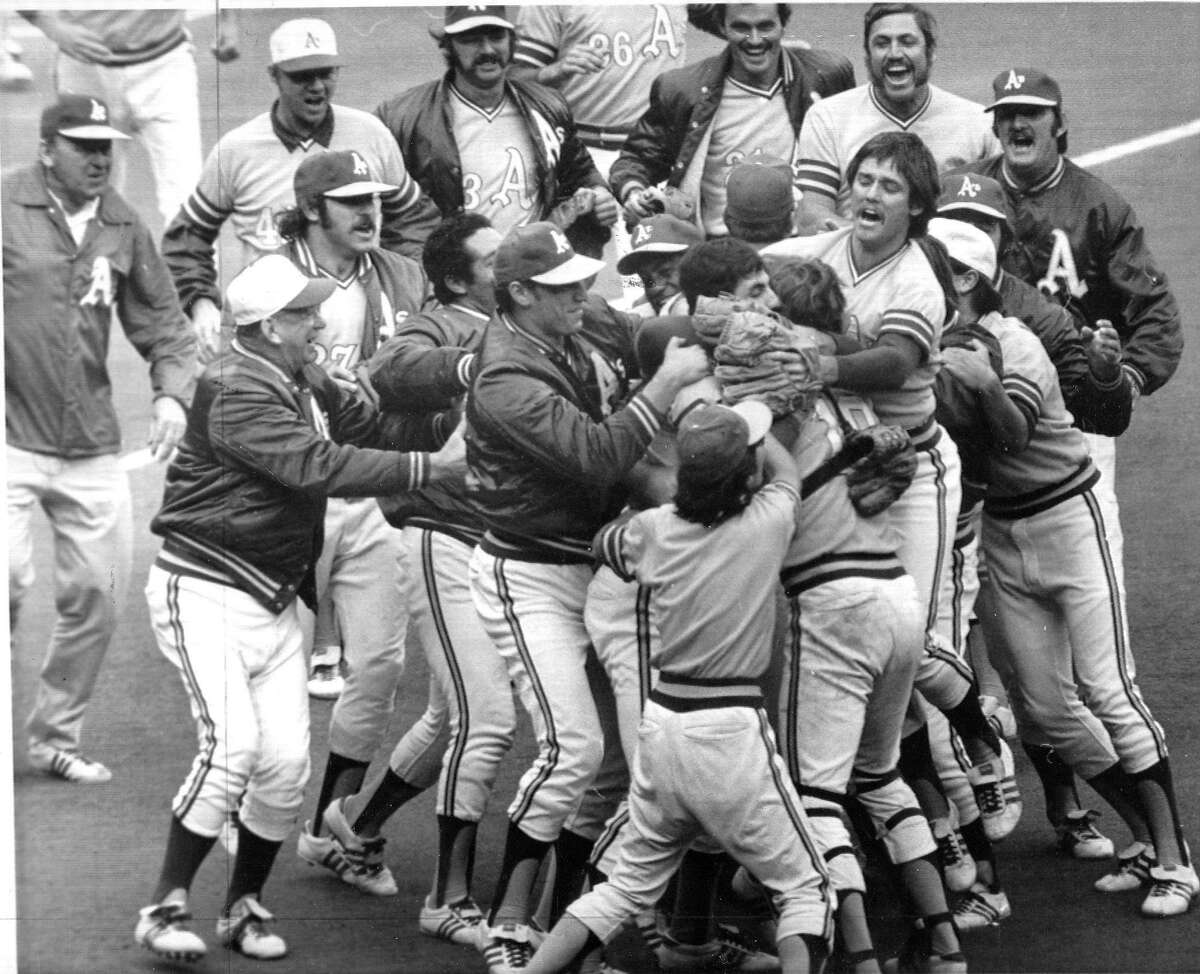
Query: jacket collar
pixel 1050 179
pixel 29 189
pixel 724 65
pixel 258 349
pixel 323 133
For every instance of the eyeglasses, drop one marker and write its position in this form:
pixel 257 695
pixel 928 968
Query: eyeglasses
pixel 308 77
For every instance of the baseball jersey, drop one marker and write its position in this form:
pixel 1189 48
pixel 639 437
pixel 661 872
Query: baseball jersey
pixel 637 44
pixel 1056 463
pixel 499 165
pixel 901 296
pixel 709 598
pixel 956 131
pixel 133 36
pixel 247 181
pixel 749 122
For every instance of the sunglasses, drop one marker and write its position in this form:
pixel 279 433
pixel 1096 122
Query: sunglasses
pixel 307 77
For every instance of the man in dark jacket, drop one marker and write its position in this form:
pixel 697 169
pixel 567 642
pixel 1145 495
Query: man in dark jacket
pixel 478 140
pixel 269 437
pixel 75 253
pixel 705 118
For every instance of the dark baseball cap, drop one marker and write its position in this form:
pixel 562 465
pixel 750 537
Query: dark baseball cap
pixel 541 252
pixel 972 191
pixel 659 234
pixel 336 174
pixel 712 439
pixel 1025 86
pixel 78 117
pixel 758 192
pixel 460 19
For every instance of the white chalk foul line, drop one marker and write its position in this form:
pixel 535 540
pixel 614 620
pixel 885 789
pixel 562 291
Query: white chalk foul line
pixel 1141 144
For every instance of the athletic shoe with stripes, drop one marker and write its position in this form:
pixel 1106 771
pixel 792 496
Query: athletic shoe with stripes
pixel 364 856
pixel 1133 870
pixel 246 928
pixel 162 930
pixel 507 947
pixel 981 908
pixel 321 850
pixel 990 783
pixel 455 922
pixel 1171 891
pixel 958 867
pixel 728 951
pixel 1078 836
pixel 66 765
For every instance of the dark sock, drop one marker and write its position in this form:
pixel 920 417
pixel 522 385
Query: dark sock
pixel 392 792
pixel 968 719
pixel 251 865
pixel 1116 787
pixel 980 846
pixel 455 864
pixel 181 861
pixel 917 768
pixel 519 850
pixel 1159 780
pixel 1058 780
pixel 343 776
pixel 571 852
pixel 695 898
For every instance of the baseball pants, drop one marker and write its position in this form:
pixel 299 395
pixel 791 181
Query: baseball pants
pixel 681 790
pixel 533 613
pixel 1060 611
pixel 244 672
pixel 363 568
pixel 157 102
pixel 1104 455
pixel 88 506
pixel 853 650
pixel 468 680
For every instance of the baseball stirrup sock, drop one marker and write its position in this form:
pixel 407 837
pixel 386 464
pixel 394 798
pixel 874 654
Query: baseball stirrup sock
pixel 523 855
pixel 343 776
pixel 1057 778
pixel 251 866
pixel 1159 774
pixel 978 844
pixel 456 859
pixel 968 719
pixel 185 852
pixel 392 792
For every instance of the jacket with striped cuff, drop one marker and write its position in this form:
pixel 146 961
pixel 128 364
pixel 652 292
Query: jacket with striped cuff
pixel 245 493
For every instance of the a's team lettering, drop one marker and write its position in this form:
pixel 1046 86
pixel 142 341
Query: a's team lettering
pixel 1060 270
pixel 360 165
pixel 969 188
pixel 620 49
pixel 513 186
pixel 608 379
pixel 1014 81
pixel 100 291
pixel 642 234
pixel 551 137
pixel 98 112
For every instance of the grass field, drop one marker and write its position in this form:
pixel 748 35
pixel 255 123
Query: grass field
pixel 86 858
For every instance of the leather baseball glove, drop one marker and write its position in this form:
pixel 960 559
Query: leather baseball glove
pixel 879 478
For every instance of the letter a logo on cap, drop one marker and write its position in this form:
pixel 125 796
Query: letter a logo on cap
pixel 642 234
pixel 1014 80
pixel 310 41
pixel 360 165
pixel 476 9
pixel 969 188
pixel 98 112
pixel 561 244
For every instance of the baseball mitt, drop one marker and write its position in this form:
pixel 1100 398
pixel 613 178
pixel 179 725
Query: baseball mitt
pixel 879 478
pixel 760 358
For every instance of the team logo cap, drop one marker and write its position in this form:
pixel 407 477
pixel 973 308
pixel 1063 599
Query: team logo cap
pixel 659 234
pixel 460 19
pixel 1025 86
pixel 971 191
pixel 78 117
pixel 713 439
pixel 541 252
pixel 336 174
pixel 304 45
pixel 273 284
pixel 966 244
pixel 758 193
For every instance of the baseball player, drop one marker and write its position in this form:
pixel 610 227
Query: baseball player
pixel 899 42
pixel 706 117
pixel 247 178
pixel 760 201
pixel 1064 624
pixel 333 233
pixel 1079 242
pixel 479 140
pixel 704 558
pixel 76 259
pixel 140 63
pixel 269 436
pixel 548 447
pixel 657 246
pixel 425 368
pixel 855 638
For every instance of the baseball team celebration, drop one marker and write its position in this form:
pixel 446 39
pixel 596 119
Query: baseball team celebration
pixel 674 450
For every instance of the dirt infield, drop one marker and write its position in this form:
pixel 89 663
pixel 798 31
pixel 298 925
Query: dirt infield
pixel 87 857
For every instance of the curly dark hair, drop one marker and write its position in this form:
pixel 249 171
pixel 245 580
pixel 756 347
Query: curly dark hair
pixel 912 160
pixel 709 502
pixel 716 266
pixel 810 294
pixel 445 253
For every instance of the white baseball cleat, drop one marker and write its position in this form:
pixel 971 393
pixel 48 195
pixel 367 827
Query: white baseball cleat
pixel 455 922
pixel 1133 870
pixel 981 908
pixel 247 929
pixel 728 952
pixel 1171 891
pixel 958 867
pixel 507 947
pixel 67 765
pixel 993 782
pixel 364 856
pixel 325 682
pixel 1078 836
pixel 162 930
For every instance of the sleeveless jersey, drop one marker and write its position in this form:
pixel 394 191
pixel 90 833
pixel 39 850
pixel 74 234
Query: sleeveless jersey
pixel 957 131
pixel 637 44
pixel 499 165
pixel 901 296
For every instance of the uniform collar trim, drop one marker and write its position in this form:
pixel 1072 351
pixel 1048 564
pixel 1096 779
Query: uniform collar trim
pixel 1052 179
pixel 902 123
pixel 322 134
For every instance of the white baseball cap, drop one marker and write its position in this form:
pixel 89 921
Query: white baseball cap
pixel 304 45
pixel 966 244
pixel 273 284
